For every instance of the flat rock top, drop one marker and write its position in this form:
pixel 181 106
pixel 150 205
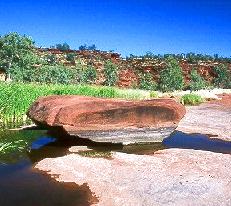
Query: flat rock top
pixel 212 118
pixel 168 177
pixel 98 114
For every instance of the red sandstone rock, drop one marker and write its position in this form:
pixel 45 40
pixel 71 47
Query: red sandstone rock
pixel 101 118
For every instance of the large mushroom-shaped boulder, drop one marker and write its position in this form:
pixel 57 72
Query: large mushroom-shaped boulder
pixel 109 120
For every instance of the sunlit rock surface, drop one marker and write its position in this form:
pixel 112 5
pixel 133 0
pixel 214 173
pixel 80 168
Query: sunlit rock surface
pixel 168 177
pixel 212 118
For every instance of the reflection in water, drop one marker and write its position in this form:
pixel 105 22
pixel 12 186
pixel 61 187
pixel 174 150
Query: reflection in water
pixel 176 140
pixel 15 144
pixel 197 142
pixel 42 141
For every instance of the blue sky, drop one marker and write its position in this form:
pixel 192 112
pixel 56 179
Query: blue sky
pixel 126 26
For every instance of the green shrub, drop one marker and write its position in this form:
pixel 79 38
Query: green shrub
pixel 50 59
pixel 70 57
pixel 171 78
pixel 223 77
pixel 25 70
pixel 197 82
pixel 146 82
pixel 154 94
pixel 191 99
pixel 54 74
pixel 88 75
pixel 111 73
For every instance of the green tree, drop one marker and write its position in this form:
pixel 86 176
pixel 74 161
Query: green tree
pixel 197 82
pixel 92 47
pixel 111 73
pixel 63 47
pixel 16 51
pixel 71 57
pixel 88 75
pixel 146 82
pixel 223 77
pixel 171 78
pixel 88 48
pixel 50 59
pixel 53 74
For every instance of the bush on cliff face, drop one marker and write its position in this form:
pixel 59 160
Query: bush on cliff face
pixel 223 77
pixel 50 59
pixel 71 57
pixel 111 73
pixel 171 78
pixel 88 75
pixel 146 82
pixel 197 82
pixel 54 74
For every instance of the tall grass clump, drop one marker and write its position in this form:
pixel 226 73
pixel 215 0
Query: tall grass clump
pixel 191 99
pixel 132 94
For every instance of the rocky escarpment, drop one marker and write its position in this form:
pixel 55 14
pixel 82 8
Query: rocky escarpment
pixel 109 120
pixel 129 69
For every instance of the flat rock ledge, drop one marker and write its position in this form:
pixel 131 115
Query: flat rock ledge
pixel 109 120
pixel 168 177
pixel 212 118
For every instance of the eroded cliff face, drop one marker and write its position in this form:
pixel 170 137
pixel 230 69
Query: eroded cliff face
pixel 130 68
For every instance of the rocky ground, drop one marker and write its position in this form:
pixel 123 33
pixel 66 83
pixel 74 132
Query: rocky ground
pixel 212 118
pixel 166 177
